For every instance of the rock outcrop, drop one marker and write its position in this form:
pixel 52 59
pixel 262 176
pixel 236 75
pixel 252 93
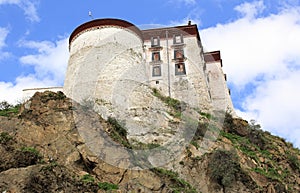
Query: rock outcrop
pixel 56 145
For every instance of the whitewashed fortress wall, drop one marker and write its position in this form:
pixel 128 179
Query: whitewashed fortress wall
pixel 188 84
pixel 219 92
pixel 100 57
pixel 110 59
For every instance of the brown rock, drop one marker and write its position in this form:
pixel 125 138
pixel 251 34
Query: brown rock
pixel 271 189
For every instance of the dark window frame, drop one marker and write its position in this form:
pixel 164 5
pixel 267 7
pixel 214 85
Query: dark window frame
pixel 175 54
pixel 153 56
pixel 153 43
pixel 179 70
pixel 175 39
pixel 154 74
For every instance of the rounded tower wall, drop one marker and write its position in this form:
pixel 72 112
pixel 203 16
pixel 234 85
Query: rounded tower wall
pixel 97 62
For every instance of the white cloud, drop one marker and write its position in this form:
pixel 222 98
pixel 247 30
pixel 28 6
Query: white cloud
pixel 264 46
pixel 12 92
pixel 263 52
pixel 29 8
pixel 49 62
pixel 3 34
pixel 278 106
pixel 250 10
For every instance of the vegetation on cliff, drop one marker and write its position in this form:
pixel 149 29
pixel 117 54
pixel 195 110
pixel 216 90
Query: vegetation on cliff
pixel 42 150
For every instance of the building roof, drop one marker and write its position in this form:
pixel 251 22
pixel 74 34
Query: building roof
pixel 177 30
pixel 214 56
pixel 103 22
pixel 185 30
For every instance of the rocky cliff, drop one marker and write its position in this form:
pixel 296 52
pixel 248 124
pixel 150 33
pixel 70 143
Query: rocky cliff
pixel 52 144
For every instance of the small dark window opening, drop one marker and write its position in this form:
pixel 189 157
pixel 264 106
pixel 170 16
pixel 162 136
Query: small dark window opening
pixel 156 71
pixel 177 39
pixel 155 56
pixel 157 82
pixel 180 69
pixel 178 54
pixel 155 41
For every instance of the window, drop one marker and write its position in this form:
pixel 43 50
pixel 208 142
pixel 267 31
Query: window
pixel 180 69
pixel 178 54
pixel 155 41
pixel 177 39
pixel 155 56
pixel 156 71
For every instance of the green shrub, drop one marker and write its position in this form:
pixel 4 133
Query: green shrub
pixel 31 150
pixel 232 137
pixel 270 173
pixel 4 105
pixel 252 131
pixel 27 156
pixel 87 178
pixel 107 186
pixel 7 109
pixel 178 185
pixel 223 167
pixel 294 162
pixel 195 144
pixel 175 104
pixel 135 144
pixel 117 126
pixel 228 122
pixel 60 95
pixel 118 133
pixel 5 137
pixel 207 115
pixel 201 130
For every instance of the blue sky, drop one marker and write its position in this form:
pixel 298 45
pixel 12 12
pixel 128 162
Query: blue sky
pixel 259 42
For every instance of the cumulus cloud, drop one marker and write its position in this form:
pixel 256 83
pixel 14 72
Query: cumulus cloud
pixel 12 91
pixel 50 59
pixel 49 62
pixel 260 48
pixel 277 105
pixel 250 10
pixel 3 34
pixel 29 8
pixel 263 52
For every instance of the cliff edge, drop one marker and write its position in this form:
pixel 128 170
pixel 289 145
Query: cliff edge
pixel 52 144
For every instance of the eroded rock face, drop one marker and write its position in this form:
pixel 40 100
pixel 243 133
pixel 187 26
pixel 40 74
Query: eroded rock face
pixel 46 124
pixel 58 145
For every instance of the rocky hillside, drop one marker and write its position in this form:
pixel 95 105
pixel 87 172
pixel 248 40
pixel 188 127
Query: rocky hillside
pixel 52 144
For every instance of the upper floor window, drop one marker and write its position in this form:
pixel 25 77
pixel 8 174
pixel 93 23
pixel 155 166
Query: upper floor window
pixel 155 41
pixel 178 54
pixel 180 69
pixel 156 70
pixel 178 39
pixel 155 56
